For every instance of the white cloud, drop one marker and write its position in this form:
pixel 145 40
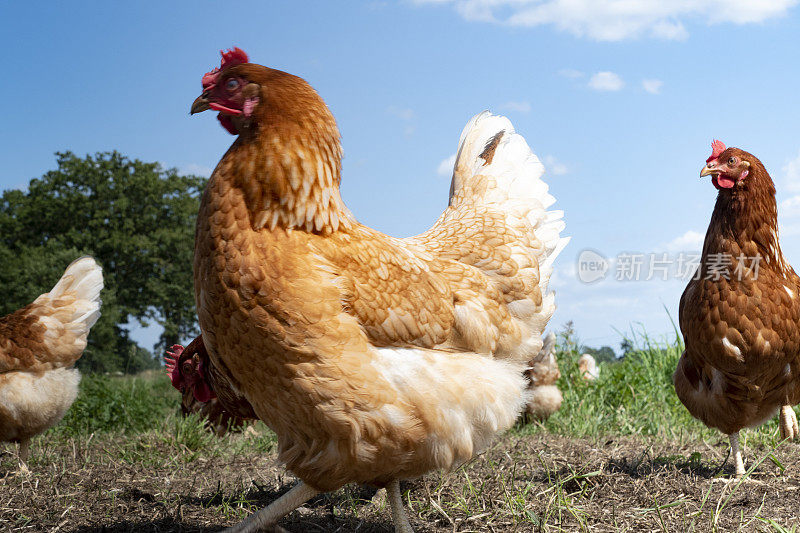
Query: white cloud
pixel 668 30
pixel 570 73
pixel 519 107
pixel 403 113
pixel 613 301
pixel 790 207
pixel 688 242
pixel 652 86
pixel 616 20
pixel 445 168
pixel 198 170
pixel 554 166
pixel 406 115
pixel 606 81
pixel 564 275
pixel 791 173
pixel 787 230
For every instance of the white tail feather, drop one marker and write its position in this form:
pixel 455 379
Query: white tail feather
pixel 79 290
pixel 518 188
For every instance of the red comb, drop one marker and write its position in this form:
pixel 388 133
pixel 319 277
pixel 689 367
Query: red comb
pixel 717 147
pixel 234 56
pixel 170 361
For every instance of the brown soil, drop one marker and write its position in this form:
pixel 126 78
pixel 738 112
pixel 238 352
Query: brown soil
pixel 532 483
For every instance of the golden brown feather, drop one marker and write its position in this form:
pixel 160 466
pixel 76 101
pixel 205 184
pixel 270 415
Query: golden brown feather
pixel 372 358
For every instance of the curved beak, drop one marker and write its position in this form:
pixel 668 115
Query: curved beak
pixel 708 170
pixel 200 104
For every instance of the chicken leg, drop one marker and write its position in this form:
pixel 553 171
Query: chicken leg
pixel 788 423
pixel 268 516
pixel 737 454
pixel 401 524
pixel 24 449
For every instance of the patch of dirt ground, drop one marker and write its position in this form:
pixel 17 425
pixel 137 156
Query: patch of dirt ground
pixel 539 482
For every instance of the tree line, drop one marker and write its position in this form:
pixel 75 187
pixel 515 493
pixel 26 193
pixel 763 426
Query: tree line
pixel 136 218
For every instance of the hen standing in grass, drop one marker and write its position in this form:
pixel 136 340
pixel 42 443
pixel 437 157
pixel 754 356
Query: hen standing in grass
pixel 587 368
pixel 374 359
pixel 39 345
pixel 740 316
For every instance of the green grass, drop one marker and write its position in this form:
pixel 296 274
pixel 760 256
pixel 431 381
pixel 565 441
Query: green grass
pixel 134 422
pixel 138 417
pixel 124 404
pixel 633 396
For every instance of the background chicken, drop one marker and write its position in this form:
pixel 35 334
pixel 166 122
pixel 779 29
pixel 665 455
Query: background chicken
pixel 741 317
pixel 39 344
pixel 587 367
pixel 204 390
pixel 545 398
pixel 373 358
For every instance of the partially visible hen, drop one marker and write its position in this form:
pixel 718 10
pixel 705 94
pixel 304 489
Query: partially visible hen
pixel 39 345
pixel 740 315
pixel 587 367
pixel 545 398
pixel 373 358
pixel 205 391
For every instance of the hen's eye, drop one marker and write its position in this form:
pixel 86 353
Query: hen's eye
pixel 732 160
pixel 231 84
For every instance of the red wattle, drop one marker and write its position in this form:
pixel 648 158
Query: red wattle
pixel 203 392
pixel 227 123
pixel 201 389
pixel 722 182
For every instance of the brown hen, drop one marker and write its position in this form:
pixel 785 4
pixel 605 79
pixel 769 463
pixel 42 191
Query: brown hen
pixel 39 345
pixel 204 390
pixel 740 315
pixel 373 358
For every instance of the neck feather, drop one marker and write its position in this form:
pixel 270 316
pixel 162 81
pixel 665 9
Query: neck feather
pixel 747 215
pixel 290 174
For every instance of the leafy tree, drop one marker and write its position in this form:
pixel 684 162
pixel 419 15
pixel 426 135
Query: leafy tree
pixel 626 346
pixel 136 218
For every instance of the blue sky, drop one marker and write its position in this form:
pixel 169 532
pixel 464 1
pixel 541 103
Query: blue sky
pixel 619 99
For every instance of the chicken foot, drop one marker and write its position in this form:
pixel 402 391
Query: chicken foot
pixel 269 515
pixel 301 493
pixel 401 524
pixel 788 423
